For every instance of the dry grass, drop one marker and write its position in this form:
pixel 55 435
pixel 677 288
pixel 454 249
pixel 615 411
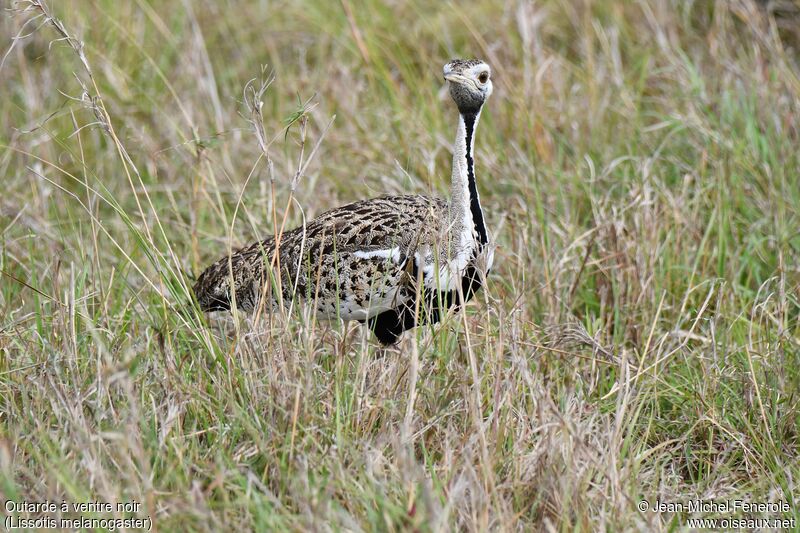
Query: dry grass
pixel 638 338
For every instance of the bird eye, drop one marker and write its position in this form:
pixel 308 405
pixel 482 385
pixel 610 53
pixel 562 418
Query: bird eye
pixel 483 77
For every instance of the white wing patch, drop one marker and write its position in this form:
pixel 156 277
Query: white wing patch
pixel 391 253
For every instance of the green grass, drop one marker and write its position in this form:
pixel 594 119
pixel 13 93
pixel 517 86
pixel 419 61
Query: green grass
pixel 638 338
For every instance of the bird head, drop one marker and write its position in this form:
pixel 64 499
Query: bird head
pixel 470 82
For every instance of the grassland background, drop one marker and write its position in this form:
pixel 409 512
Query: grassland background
pixel 638 338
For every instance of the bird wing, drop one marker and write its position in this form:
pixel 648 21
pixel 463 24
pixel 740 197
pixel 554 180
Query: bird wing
pixel 357 260
pixel 352 261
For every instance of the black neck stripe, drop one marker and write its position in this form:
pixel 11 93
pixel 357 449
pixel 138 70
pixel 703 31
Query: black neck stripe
pixel 474 201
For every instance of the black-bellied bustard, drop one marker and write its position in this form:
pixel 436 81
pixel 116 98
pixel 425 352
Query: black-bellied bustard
pixel 375 260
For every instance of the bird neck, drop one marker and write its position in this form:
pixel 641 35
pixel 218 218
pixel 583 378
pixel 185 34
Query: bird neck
pixel 465 204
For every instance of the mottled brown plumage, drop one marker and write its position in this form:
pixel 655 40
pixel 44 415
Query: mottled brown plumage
pixel 320 260
pixel 369 260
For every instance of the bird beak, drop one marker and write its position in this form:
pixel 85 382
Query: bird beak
pixel 460 80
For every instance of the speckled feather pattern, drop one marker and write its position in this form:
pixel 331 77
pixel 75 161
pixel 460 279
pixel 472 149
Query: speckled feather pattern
pixel 464 64
pixel 326 259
